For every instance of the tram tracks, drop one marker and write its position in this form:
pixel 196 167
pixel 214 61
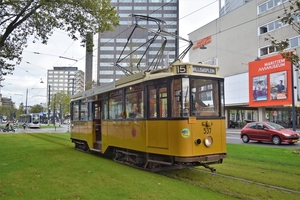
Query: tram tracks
pixel 239 187
pixel 249 181
pixel 233 186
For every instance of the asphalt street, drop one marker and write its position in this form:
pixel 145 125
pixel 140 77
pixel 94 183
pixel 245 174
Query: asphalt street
pixel 55 129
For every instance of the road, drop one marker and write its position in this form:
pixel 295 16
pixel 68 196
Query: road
pixel 233 137
pixel 58 129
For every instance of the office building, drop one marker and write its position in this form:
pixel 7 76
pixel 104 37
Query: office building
pixel 68 79
pixel 236 42
pixel 111 44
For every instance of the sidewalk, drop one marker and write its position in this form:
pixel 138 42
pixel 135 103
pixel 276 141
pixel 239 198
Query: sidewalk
pixel 58 129
pixel 238 130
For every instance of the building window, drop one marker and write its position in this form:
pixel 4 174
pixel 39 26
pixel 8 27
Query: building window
pixel 107 72
pixel 170 8
pixel 263 51
pixel 106 80
pixel 271 26
pixel 140 8
pixel 125 7
pixel 269 5
pixel 107 48
pixel 157 15
pixel 155 1
pixel 106 56
pixel 294 42
pixel 106 40
pixel 106 64
pixel 122 40
pixel 154 8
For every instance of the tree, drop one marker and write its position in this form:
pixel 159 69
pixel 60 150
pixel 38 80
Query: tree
pixel 21 110
pixel 289 17
pixel 62 102
pixel 36 109
pixel 21 19
pixel 7 111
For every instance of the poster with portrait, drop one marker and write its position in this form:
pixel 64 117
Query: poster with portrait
pixel 278 84
pixel 260 88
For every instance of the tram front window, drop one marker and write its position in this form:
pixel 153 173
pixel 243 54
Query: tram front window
pixel 205 97
pixel 195 97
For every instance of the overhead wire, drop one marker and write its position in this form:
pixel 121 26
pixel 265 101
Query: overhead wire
pixel 152 13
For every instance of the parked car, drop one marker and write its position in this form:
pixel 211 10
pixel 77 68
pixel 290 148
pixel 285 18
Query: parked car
pixel 268 132
pixel 233 124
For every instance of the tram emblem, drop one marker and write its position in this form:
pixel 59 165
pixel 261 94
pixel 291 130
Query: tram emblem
pixel 185 133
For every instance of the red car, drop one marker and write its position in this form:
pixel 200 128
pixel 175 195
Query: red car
pixel 268 132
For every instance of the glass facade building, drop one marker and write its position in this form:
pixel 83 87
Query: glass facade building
pixel 111 44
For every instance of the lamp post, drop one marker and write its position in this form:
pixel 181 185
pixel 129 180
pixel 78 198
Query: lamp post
pixel 26 102
pixel 293 99
pixel 49 105
pixel 73 86
pixel 60 113
pixel 54 112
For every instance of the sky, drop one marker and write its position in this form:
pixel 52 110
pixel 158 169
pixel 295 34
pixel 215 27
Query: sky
pixel 25 83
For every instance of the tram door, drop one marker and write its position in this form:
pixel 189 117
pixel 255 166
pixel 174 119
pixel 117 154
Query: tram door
pixel 97 120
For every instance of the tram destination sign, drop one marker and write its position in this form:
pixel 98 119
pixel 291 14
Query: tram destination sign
pixel 206 70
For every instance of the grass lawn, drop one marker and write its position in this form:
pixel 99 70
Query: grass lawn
pixel 46 166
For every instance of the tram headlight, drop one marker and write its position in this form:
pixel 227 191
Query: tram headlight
pixel 208 141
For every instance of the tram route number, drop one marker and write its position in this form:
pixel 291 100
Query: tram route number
pixel 207 130
pixel 181 69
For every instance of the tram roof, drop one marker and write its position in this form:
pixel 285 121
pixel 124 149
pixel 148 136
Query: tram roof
pixel 177 68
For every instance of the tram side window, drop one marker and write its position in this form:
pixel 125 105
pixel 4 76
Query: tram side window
pixel 134 105
pixel 75 111
pixel 90 112
pixel 163 102
pixel 152 102
pixel 83 111
pixel 116 107
pixel 205 97
pixel 104 109
pixel 176 99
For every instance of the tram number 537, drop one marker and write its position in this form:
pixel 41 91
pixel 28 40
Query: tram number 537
pixel 207 130
pixel 181 69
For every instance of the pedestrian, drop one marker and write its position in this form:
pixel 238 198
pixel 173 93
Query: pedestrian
pixel 290 123
pixel 24 125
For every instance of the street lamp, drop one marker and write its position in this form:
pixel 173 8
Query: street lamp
pixel 54 112
pixel 49 105
pixel 293 99
pixel 26 109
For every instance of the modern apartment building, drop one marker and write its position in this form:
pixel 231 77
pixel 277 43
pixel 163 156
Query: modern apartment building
pixel 236 42
pixel 68 79
pixel 111 44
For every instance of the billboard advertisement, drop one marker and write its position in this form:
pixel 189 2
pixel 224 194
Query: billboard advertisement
pixel 270 82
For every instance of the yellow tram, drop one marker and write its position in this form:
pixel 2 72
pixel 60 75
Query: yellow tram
pixel 159 118
pixel 163 119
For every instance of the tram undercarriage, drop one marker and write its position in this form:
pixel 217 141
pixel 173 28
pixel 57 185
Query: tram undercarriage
pixel 154 162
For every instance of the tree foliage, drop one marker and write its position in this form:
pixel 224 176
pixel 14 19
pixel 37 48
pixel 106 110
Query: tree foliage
pixel 291 13
pixel 36 109
pixel 7 111
pixel 21 19
pixel 61 102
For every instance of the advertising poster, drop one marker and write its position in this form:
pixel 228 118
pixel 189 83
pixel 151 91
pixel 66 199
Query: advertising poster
pixel 278 85
pixel 270 82
pixel 260 88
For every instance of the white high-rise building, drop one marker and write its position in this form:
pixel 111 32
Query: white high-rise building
pixel 68 79
pixel 234 41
